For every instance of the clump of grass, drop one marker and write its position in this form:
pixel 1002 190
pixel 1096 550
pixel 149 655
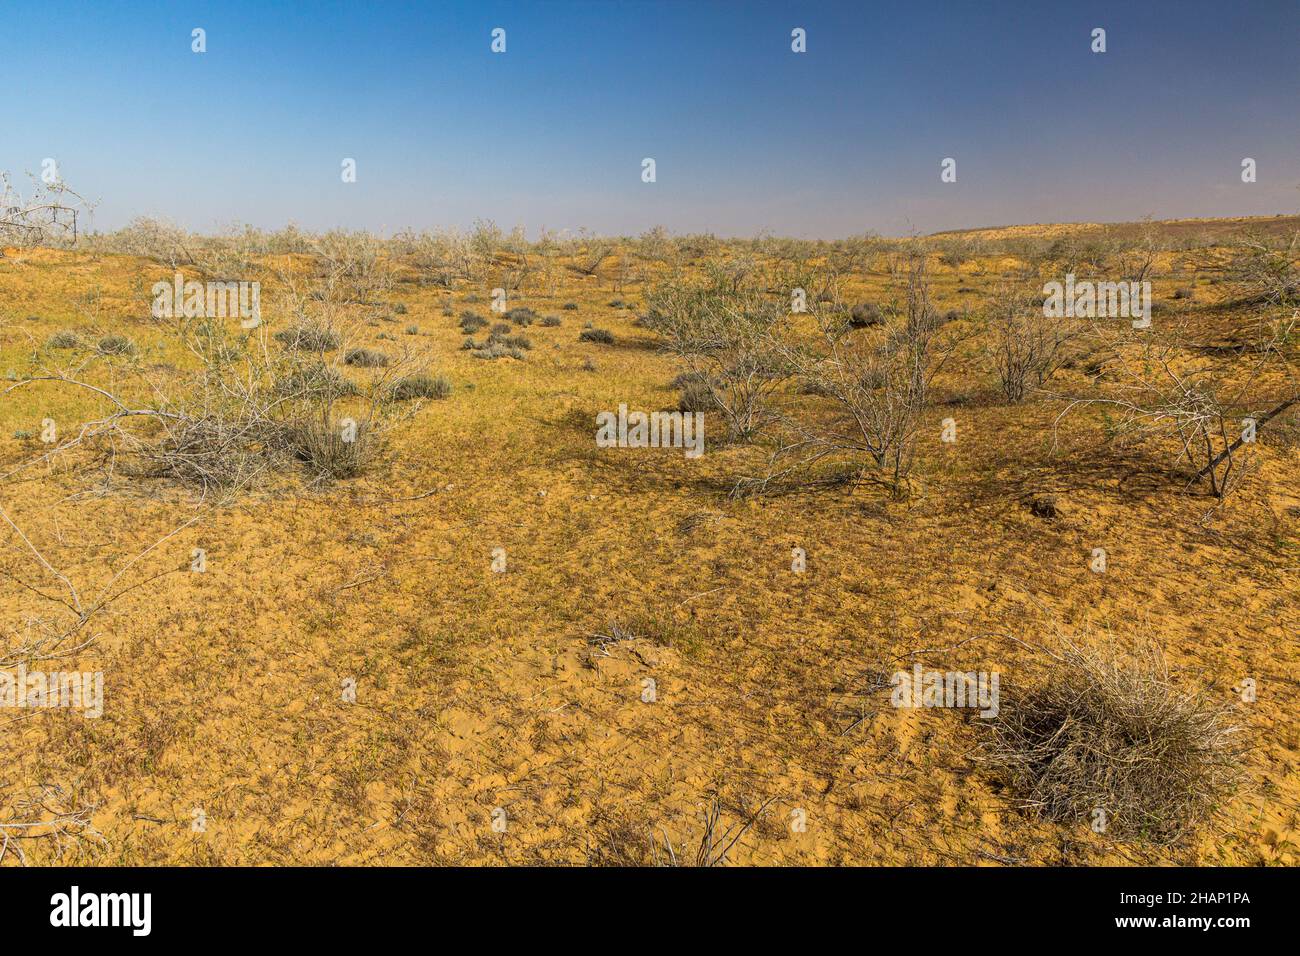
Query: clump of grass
pixel 64 340
pixel 471 323
pixel 1105 729
pixel 662 630
pixel 412 330
pixel 366 358
pixel 521 316
pixel 116 345
pixel 696 396
pixel 330 450
pixel 308 338
pixel 550 321
pixel 315 380
pixel 496 350
pixel 510 341
pixel 603 336
pixel 420 386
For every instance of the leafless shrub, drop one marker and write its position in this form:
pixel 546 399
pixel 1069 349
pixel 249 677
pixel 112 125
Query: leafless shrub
pixel 593 256
pixel 1025 347
pixel 49 812
pixel 1267 273
pixel 149 238
pixel 47 216
pixel 727 341
pixel 877 382
pixel 1164 388
pixel 353 268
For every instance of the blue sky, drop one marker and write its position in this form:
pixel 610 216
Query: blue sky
pixel 747 136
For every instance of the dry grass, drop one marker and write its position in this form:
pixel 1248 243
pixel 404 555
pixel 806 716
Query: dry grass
pixel 1084 730
pixel 628 569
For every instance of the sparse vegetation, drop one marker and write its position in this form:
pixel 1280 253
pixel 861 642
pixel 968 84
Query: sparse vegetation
pixel 116 345
pixel 421 386
pixel 366 358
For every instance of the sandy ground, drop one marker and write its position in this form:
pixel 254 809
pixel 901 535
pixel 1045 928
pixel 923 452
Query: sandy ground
pixel 479 697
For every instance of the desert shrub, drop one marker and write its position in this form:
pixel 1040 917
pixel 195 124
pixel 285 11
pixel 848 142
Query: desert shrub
pixel 696 396
pixel 686 379
pixel 314 380
pixel 330 449
pixel 726 334
pixel 521 316
pixel 876 381
pixel 469 343
pixel 115 345
pixel 502 328
pixel 366 358
pixel 352 267
pixel 866 314
pixel 64 340
pixel 603 336
pixel 1197 408
pixel 211 447
pixel 308 338
pixel 1267 274
pixel 151 238
pixel 1024 346
pixel 496 350
pixel 420 386
pixel 1083 730
pixel 471 323
pixel 550 321
pixel 510 341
